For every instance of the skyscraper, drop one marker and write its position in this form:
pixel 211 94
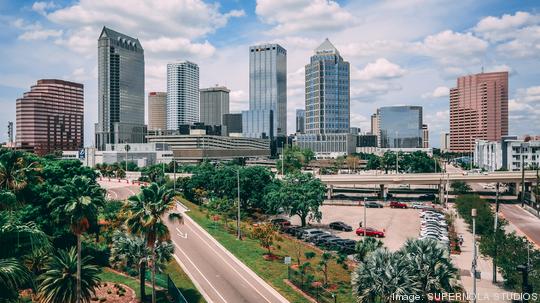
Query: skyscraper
pixel 375 128
pixel 478 110
pixel 182 94
pixel 425 136
pixel 120 89
pixel 50 117
pixel 327 122
pixel 157 111
pixel 400 126
pixel 327 92
pixel 214 103
pixel 267 91
pixel 300 121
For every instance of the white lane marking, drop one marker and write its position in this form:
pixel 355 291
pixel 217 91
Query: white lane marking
pixel 192 278
pixel 202 275
pixel 232 267
pixel 115 194
pixel 239 263
pixel 181 234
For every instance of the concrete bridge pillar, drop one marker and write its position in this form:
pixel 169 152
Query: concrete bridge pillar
pixel 441 193
pixel 384 192
pixel 330 191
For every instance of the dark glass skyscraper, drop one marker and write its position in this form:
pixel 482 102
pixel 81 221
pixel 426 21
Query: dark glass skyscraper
pixel 400 126
pixel 120 89
pixel 327 92
pixel 267 91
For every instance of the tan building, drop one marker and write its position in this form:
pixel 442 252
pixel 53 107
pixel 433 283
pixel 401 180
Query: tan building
pixel 375 127
pixel 157 111
pixel 50 117
pixel 478 110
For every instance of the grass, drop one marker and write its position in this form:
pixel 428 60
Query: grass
pixel 108 275
pixel 183 282
pixel 274 272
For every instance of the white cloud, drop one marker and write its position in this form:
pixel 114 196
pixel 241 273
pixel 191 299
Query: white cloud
pixel 40 34
pixel 497 29
pixel 366 91
pixel 294 16
pixel 180 46
pixel 438 92
pixel 380 69
pixel 42 7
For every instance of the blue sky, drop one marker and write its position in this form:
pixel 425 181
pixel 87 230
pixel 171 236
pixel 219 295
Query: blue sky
pixel 401 52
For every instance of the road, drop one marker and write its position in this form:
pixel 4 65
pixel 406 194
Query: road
pixel 218 275
pixel 525 222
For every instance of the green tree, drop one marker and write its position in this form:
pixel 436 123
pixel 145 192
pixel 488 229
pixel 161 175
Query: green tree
pixel 78 202
pixel 13 276
pixel 460 187
pixel 366 246
pixel 66 280
pixel 15 169
pixel 145 218
pixel 298 194
pixel 326 257
pixel 266 234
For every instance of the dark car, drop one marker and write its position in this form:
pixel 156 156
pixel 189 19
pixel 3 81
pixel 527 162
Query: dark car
pixel 338 225
pixel 280 222
pixel 347 247
pixel 396 204
pixel 289 229
pixel 332 243
pixel 321 240
pixel 371 204
pixel 427 197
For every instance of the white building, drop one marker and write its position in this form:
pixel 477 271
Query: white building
pixel 445 142
pixel 182 94
pixel 506 154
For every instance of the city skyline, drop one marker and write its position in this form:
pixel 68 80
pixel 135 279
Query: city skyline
pixel 415 66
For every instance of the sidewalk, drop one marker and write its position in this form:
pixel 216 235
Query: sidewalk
pixel 487 291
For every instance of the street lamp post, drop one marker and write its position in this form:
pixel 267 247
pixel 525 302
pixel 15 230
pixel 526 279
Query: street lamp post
pixel 526 289
pixel 495 232
pixel 238 215
pixel 127 148
pixel 174 175
pixel 523 147
pixel 473 215
pixel 365 218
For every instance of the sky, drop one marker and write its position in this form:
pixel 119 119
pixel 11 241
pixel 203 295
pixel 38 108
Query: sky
pixel 406 52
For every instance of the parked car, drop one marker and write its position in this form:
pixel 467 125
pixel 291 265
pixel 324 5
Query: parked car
pixel 338 225
pixel 310 232
pixel 370 232
pixel 290 229
pixel 321 238
pixel 419 205
pixel 395 204
pixel 280 222
pixel 371 204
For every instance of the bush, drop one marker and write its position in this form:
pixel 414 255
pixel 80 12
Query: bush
pixel 99 252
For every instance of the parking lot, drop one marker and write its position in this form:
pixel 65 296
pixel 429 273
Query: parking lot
pixel 398 224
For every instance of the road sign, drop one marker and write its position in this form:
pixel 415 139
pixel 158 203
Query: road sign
pixel 82 154
pixel 287 260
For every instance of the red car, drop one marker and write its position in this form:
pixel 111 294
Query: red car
pixel 370 232
pixel 398 205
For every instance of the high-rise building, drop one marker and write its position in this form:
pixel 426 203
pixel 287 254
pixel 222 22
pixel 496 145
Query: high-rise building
pixel 375 127
pixel 267 91
pixel 214 103
pixel 400 126
pixel 327 92
pixel 445 142
pixel 327 121
pixel 120 89
pixel 157 111
pixel 478 110
pixel 425 136
pixel 232 123
pixel 182 94
pixel 50 117
pixel 300 121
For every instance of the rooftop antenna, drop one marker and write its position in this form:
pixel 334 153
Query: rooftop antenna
pixel 482 69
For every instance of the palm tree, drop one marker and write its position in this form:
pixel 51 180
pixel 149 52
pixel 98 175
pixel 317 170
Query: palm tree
pixel 13 276
pixel 381 277
pixel 78 202
pixel 365 247
pixel 66 280
pixel 14 170
pixel 132 252
pixel 430 265
pixel 145 214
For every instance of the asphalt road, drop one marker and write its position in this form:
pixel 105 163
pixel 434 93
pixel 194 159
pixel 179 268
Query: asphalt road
pixel 218 275
pixel 524 221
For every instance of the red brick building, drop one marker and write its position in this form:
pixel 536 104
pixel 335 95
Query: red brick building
pixel 478 110
pixel 50 117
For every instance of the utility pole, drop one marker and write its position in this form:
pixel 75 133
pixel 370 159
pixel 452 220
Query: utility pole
pixel 283 159
pixel 473 215
pixel 524 145
pixel 127 148
pixel 174 175
pixel 238 215
pixel 495 242
pixel 397 163
pixel 365 218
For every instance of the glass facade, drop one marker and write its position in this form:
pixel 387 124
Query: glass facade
pixel 258 123
pixel 182 94
pixel 214 103
pixel 300 121
pixel 400 126
pixel 268 87
pixel 120 89
pixel 327 79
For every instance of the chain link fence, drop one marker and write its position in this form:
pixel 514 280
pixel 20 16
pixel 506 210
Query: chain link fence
pixel 305 283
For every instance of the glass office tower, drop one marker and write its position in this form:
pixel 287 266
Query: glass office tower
pixel 120 89
pixel 327 92
pixel 182 94
pixel 267 91
pixel 400 126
